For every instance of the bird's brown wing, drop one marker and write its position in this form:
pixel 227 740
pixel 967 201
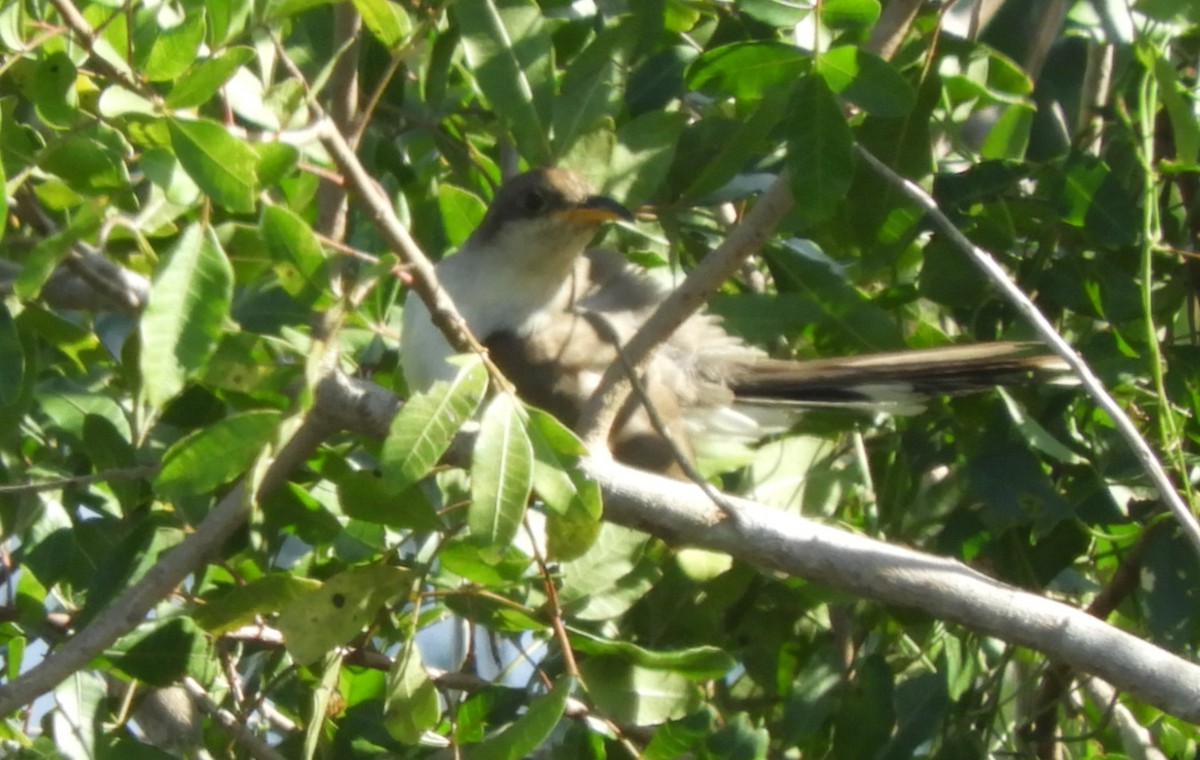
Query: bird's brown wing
pixel 557 367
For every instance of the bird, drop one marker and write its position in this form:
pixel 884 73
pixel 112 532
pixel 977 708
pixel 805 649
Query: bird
pixel 551 310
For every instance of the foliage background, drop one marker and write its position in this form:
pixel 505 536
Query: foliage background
pixel 174 141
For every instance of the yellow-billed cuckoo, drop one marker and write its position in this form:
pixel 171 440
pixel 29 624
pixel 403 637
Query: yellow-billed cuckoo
pixel 525 278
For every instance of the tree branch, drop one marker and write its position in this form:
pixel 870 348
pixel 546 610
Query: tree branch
pixel 129 609
pixel 774 540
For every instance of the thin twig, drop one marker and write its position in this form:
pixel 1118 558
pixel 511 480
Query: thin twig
pixel 1050 336
pixel 609 333
pixel 442 310
pixel 104 476
pixel 748 237
pixel 245 738
pixel 86 36
pixel 555 609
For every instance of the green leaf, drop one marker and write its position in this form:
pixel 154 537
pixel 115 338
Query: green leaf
pixel 412 706
pixel 424 427
pixel 643 155
pixel 529 731
pixel 612 576
pixel 867 81
pixel 738 739
pixel 1185 129
pixel 1093 199
pixel 849 14
pixel 76 723
pixel 386 20
pixel 110 449
pixel 174 49
pixel 1009 135
pixel 675 738
pixel 204 78
pixel 702 663
pixel 593 88
pixel 162 652
pixel 337 612
pixel 216 454
pixel 223 166
pixel 462 211
pixel 820 154
pixel 556 474
pixel 54 93
pixel 276 160
pixel 637 696
pixel 365 495
pixel 747 71
pixel 12 368
pixel 234 607
pixel 501 474
pixel 300 261
pixel 189 303
pixel 510 54
pixel 714 150
pixel 462 559
pixel 86 165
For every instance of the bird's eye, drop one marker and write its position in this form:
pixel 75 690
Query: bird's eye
pixel 534 202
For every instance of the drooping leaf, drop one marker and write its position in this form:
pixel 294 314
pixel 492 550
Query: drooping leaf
pixel 189 303
pixel 300 261
pixel 223 166
pixel 216 454
pixel 820 155
pixel 501 474
pixel 423 429
pixel 77 721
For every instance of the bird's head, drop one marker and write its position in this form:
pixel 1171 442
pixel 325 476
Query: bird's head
pixel 545 215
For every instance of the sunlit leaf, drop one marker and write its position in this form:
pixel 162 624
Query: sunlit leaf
pixel 512 60
pixel 199 83
pixel 223 166
pixel 462 212
pixel 208 457
pixel 867 81
pixel 637 696
pixel 386 20
pixel 317 621
pixel 423 429
pixel 501 473
pixel 747 71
